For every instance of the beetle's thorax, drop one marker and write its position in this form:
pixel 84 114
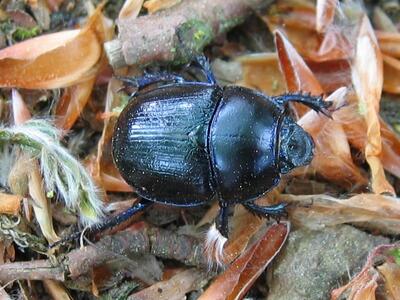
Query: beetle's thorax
pixel 243 141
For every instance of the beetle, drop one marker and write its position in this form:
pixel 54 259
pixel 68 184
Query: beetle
pixel 184 143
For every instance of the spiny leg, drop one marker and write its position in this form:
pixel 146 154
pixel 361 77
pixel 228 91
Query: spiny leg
pixel 113 221
pixel 147 79
pixel 203 64
pixel 314 102
pixel 274 211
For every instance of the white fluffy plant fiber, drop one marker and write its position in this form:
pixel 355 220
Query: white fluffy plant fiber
pixel 61 171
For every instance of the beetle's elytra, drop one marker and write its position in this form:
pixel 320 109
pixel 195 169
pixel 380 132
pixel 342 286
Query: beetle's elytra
pixel 185 143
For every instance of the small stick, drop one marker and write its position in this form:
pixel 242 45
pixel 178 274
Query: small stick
pixel 159 242
pixel 177 34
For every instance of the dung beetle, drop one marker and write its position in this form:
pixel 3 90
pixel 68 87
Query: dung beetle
pixel 185 143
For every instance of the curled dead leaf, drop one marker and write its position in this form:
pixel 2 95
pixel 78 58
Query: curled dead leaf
pixel 50 61
pixel 371 211
pixel 367 77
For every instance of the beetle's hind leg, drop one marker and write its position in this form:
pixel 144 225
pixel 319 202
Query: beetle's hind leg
pixel 113 221
pixel 217 236
pixel 314 102
pixel 274 211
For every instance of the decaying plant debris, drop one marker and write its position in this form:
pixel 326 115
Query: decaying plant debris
pixel 59 103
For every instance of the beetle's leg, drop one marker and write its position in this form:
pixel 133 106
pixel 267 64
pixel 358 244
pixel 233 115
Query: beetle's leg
pixel 114 221
pixel 149 79
pixel 217 236
pixel 314 102
pixel 274 211
pixel 222 220
pixel 202 62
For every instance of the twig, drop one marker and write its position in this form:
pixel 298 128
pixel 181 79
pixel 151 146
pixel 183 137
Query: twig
pixel 159 242
pixel 175 34
pixel 31 270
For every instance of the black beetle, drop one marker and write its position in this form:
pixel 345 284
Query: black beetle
pixel 184 143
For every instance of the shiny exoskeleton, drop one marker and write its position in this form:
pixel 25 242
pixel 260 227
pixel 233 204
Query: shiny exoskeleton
pixel 185 143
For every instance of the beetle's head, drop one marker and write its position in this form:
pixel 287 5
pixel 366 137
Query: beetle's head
pixel 296 146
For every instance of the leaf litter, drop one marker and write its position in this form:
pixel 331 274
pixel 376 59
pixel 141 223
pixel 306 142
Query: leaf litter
pixel 357 152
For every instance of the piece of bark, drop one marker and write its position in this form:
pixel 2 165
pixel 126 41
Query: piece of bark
pixel 178 33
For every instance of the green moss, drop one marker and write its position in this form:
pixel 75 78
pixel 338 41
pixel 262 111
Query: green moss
pixel 22 33
pixel 396 255
pixel 191 38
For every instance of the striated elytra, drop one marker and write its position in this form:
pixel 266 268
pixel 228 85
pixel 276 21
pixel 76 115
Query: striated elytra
pixel 185 143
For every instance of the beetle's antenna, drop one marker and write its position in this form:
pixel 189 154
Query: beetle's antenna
pixel 214 246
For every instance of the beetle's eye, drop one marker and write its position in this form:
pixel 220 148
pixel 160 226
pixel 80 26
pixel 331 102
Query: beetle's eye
pixel 296 147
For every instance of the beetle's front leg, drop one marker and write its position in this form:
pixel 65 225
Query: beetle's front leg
pixel 314 102
pixel 274 211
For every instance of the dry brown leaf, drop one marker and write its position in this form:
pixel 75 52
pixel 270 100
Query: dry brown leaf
pixel 332 157
pixel 391 69
pixel 389 43
pixel 173 289
pixel 262 72
pixel 391 274
pixel 102 167
pixel 77 96
pixel 390 155
pixel 297 74
pixel 56 290
pixel 130 9
pixel 72 103
pixel 10 204
pixel 371 211
pixel 50 61
pixel 153 6
pixel 236 280
pixel 365 283
pixel 367 77
pixel 298 24
pixel 331 74
pixel 324 14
